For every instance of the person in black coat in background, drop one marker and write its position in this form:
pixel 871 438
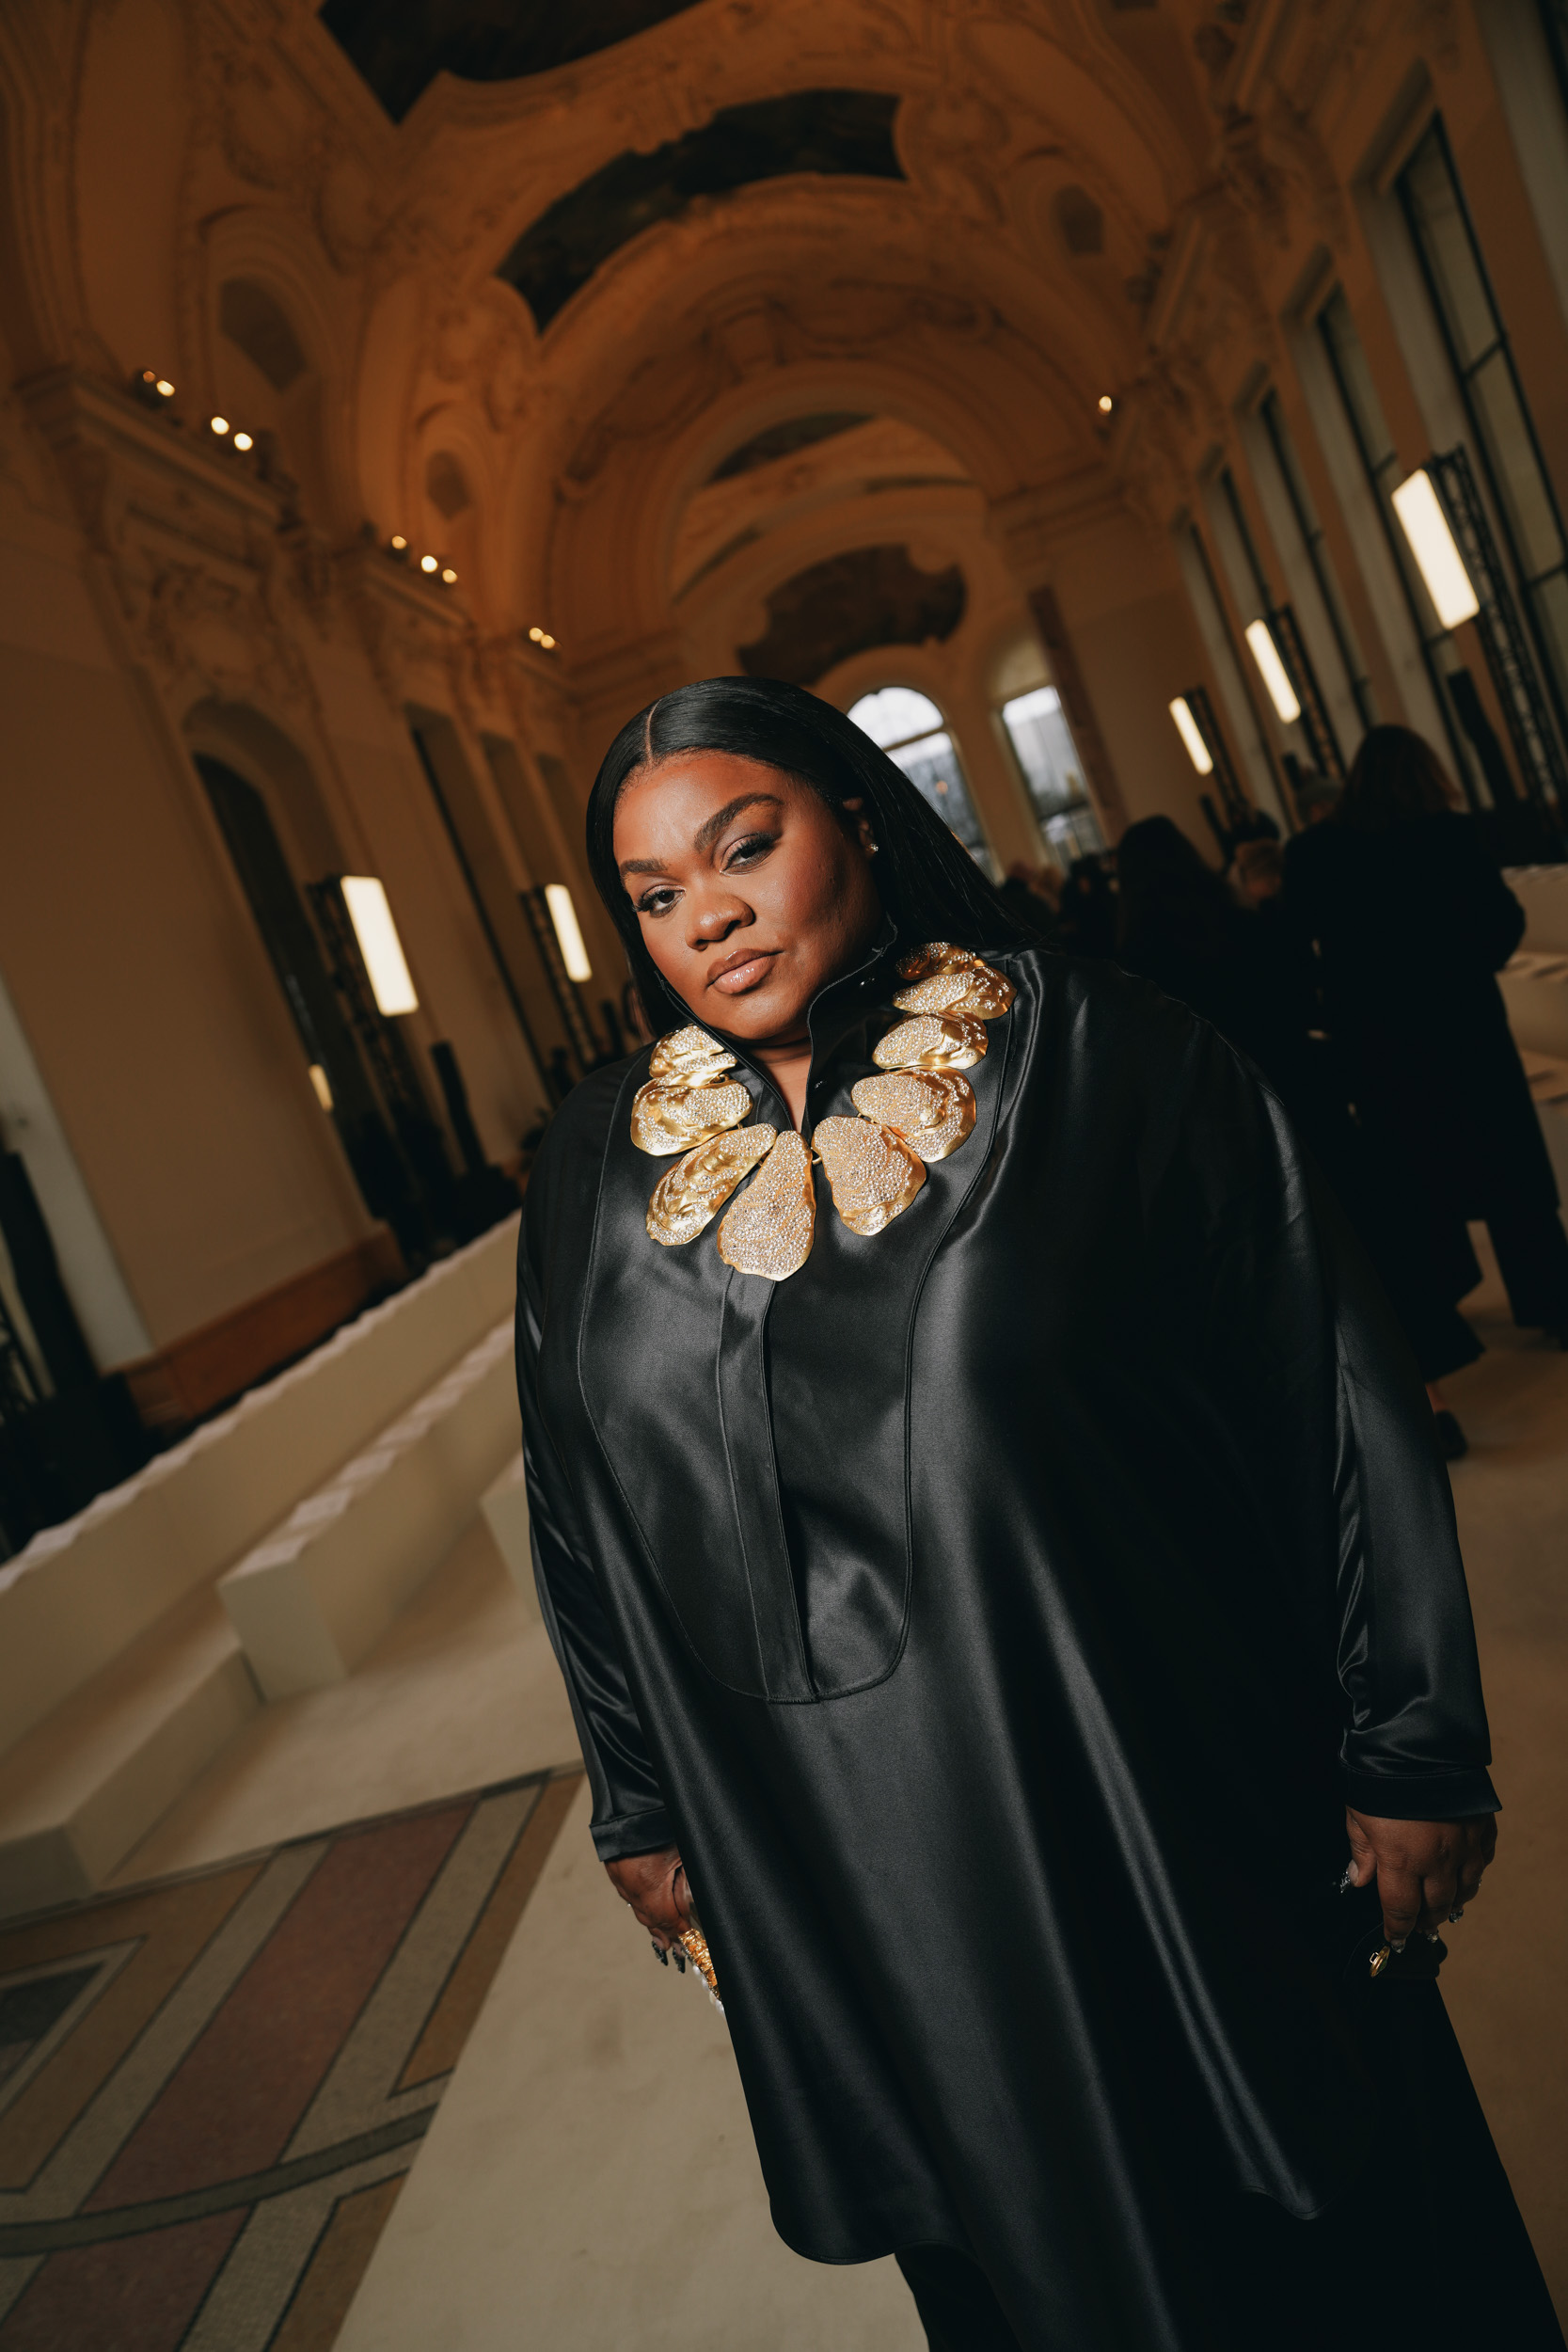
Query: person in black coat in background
pixel 1237 966
pixel 1411 921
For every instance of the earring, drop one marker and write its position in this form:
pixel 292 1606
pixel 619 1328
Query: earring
pixel 871 848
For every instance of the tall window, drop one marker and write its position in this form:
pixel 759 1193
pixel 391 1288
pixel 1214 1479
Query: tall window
pixel 1494 399
pixel 912 732
pixel 1299 531
pixel 1369 428
pixel 1043 746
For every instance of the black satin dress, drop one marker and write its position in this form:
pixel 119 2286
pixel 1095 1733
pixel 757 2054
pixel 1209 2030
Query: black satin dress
pixel 998 1614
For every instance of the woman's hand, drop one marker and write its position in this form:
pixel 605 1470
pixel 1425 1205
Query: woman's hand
pixel 1424 1870
pixel 655 1886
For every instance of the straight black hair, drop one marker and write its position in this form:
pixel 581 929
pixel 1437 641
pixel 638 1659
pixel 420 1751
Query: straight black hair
pixel 928 881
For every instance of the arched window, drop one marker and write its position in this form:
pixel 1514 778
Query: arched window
pixel 913 732
pixel 1043 746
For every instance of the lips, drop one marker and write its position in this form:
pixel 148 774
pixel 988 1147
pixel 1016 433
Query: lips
pixel 742 971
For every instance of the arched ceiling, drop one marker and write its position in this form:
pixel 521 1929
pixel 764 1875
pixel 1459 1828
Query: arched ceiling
pixel 400 50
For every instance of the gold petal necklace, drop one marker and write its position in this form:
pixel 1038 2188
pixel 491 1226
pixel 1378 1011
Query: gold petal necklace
pixel 919 1110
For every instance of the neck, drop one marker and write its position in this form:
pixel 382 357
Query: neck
pixel 787 1062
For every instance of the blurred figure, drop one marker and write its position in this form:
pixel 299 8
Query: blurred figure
pixel 1316 797
pixel 1259 871
pixel 1180 925
pixel 1087 917
pixel 1034 895
pixel 1411 921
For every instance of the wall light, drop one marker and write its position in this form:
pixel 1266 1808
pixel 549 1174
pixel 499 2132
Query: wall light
pixel 163 388
pixel 1188 729
pixel 429 564
pixel 450 576
pixel 1106 404
pixel 243 441
pixel 1272 671
pixel 1442 566
pixel 219 425
pixel 379 944
pixel 564 915
pixel 323 1085
pixel 536 636
pixel 547 641
pixel 398 542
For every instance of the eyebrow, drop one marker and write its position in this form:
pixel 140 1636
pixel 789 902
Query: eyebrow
pixel 706 835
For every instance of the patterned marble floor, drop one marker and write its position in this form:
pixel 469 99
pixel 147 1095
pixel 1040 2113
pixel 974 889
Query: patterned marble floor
pixel 212 2086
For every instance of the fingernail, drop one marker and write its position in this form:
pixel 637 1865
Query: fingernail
pixel 1349 1880
pixel 660 1953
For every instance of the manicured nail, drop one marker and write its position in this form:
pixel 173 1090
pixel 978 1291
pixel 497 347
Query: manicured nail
pixel 660 1953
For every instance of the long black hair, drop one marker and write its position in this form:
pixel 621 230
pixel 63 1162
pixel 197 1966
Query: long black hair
pixel 1169 898
pixel 1395 776
pixel 926 880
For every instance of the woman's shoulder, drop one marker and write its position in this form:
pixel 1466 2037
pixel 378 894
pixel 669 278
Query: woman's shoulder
pixel 569 1158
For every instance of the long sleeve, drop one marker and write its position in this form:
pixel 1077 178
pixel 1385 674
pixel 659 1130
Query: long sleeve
pixel 1340 1447
pixel 629 1815
pixel 1415 1743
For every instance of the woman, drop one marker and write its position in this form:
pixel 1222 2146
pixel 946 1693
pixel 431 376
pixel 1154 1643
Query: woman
pixel 1412 919
pixel 982 1592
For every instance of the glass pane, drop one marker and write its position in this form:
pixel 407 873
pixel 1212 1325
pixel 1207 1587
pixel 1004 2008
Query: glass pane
pixel 1075 834
pixel 933 767
pixel 1501 418
pixel 895 715
pixel 1045 749
pixel 1434 207
pixel 1350 361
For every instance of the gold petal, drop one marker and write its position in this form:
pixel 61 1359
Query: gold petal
pixel 938 955
pixel 988 995
pixel 688 1054
pixel 691 1193
pixel 769 1229
pixel 937 994
pixel 952 1041
pixel 672 1114
pixel 932 1109
pixel 873 1171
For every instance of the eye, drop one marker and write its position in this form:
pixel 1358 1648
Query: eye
pixel 752 846
pixel 658 900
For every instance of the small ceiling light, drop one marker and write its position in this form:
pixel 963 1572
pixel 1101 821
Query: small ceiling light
pixel 1106 404
pixel 1272 671
pixel 243 441
pixel 548 642
pixel 219 425
pixel 536 635
pixel 163 388
pixel 1432 543
pixel 1188 729
pixel 449 576
pixel 399 542
pixel 379 944
pixel 428 563
pixel 564 915
pixel 323 1085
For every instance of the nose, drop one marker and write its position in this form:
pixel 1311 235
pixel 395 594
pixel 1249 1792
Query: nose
pixel 713 919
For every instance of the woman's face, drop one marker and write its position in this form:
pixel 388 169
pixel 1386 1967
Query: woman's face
pixel 751 893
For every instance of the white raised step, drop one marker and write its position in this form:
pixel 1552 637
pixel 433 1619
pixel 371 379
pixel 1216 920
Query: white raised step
pixel 83 1787
pixel 81 1593
pixel 309 1601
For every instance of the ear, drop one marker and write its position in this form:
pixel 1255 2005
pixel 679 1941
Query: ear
pixel 859 824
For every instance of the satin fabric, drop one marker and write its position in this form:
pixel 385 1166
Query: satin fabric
pixel 998 1615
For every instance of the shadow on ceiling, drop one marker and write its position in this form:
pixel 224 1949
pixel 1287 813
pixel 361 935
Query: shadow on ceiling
pixel 399 51
pixel 782 440
pixel 841 132
pixel 867 598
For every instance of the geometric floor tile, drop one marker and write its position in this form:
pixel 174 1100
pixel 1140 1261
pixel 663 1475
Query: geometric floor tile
pixel 212 2086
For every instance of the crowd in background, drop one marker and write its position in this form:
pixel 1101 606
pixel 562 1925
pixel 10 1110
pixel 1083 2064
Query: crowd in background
pixel 1355 964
